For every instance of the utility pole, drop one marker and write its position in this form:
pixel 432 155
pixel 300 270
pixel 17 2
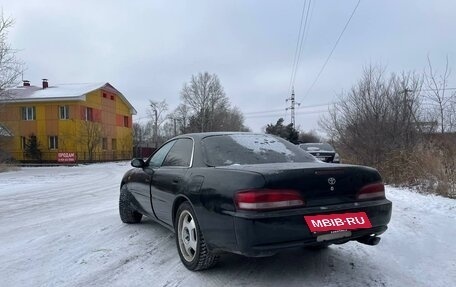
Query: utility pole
pixel 410 108
pixel 157 108
pixel 155 126
pixel 292 106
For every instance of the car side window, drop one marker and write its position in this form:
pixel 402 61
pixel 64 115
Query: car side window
pixel 159 156
pixel 180 154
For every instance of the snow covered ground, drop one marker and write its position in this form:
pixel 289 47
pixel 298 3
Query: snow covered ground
pixel 59 226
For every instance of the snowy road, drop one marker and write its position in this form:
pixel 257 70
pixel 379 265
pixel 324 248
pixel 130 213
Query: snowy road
pixel 60 227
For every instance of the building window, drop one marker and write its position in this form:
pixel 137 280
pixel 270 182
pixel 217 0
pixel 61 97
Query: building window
pixel 88 114
pixel 126 121
pixel 114 144
pixel 53 142
pixel 28 113
pixel 104 143
pixel 23 143
pixel 104 95
pixel 64 112
pixel 112 98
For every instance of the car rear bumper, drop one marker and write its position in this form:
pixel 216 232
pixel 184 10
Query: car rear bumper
pixel 265 233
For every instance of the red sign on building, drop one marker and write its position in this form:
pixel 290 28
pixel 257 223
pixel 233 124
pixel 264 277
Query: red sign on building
pixel 66 157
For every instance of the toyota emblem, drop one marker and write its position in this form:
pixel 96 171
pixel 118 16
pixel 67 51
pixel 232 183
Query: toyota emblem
pixel 331 181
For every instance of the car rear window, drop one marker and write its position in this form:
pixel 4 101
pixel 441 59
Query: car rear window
pixel 222 150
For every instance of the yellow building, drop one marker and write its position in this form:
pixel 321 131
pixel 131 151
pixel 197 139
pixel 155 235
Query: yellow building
pixel 70 122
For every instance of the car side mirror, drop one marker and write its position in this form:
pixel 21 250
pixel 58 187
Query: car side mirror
pixel 137 162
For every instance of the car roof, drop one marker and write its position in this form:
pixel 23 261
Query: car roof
pixel 208 134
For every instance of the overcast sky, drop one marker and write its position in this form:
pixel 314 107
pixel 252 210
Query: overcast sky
pixel 149 49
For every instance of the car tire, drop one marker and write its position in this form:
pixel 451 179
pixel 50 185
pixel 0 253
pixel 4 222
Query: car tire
pixel 126 211
pixel 190 242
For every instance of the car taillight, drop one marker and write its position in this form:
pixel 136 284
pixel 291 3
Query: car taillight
pixel 371 191
pixel 261 199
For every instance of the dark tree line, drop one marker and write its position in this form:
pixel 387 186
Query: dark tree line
pixel 291 134
pixel 392 121
pixel 287 132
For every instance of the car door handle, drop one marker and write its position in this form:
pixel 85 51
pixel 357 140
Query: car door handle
pixel 175 181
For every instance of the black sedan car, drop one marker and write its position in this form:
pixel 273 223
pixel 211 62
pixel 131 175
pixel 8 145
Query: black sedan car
pixel 322 151
pixel 251 194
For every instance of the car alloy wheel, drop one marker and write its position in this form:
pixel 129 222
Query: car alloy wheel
pixel 190 242
pixel 187 235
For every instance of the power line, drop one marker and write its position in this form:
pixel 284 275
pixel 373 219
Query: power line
pixel 281 114
pixel 301 45
pixel 318 105
pixel 302 35
pixel 306 33
pixel 313 112
pixel 299 40
pixel 336 102
pixel 273 112
pixel 267 111
pixel 300 108
pixel 265 116
pixel 332 50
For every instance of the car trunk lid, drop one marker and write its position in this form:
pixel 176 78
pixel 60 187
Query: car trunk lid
pixel 318 183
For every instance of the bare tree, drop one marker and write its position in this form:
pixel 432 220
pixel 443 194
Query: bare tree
pixel 125 146
pixel 442 102
pixel 90 137
pixel 10 66
pixel 204 95
pixel 168 130
pixel 141 133
pixel 182 114
pixel 452 113
pixel 157 114
pixel 229 119
pixel 376 117
pixel 10 71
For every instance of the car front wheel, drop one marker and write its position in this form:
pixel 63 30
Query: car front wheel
pixel 126 211
pixel 190 242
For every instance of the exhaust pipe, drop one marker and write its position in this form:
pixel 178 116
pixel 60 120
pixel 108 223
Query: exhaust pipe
pixel 369 240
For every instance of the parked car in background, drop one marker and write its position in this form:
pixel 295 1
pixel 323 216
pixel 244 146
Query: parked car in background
pixel 322 151
pixel 251 194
